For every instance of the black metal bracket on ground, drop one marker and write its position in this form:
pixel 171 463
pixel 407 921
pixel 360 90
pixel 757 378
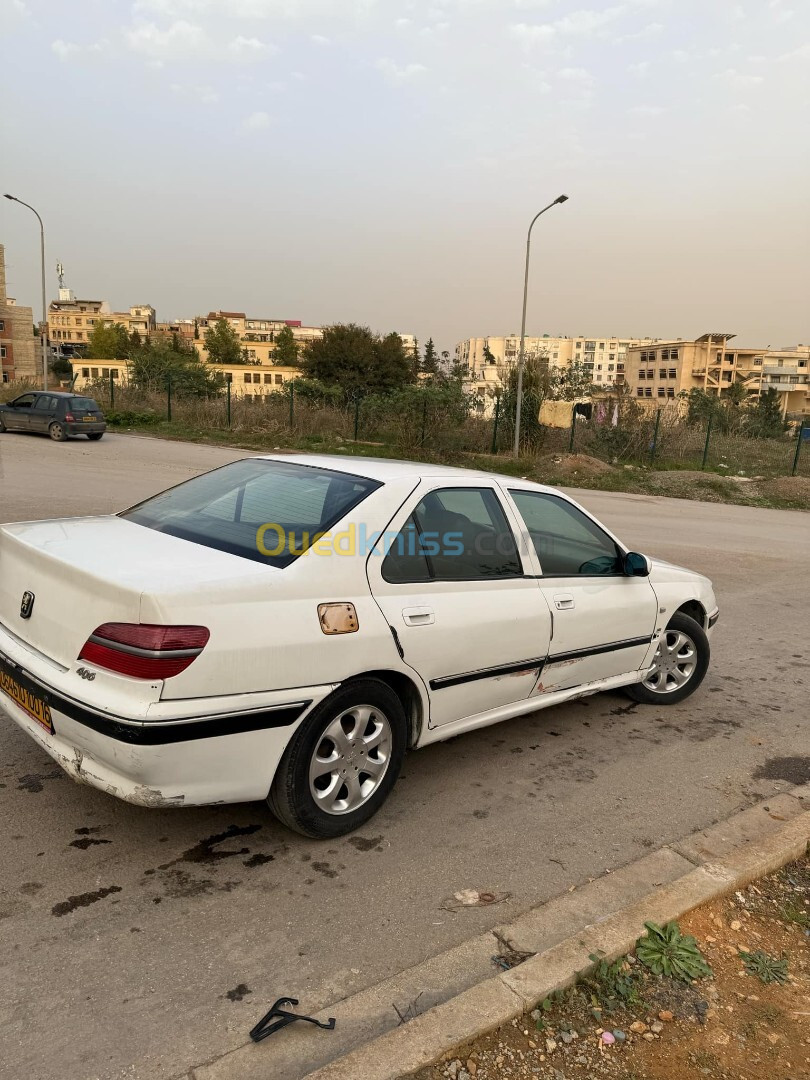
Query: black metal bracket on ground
pixel 283 1019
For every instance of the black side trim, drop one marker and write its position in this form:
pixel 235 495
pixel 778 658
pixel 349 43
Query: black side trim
pixel 487 673
pixel 594 650
pixel 156 733
pixel 713 619
pixel 397 642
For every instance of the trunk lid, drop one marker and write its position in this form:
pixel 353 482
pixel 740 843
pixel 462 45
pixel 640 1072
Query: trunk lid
pixel 84 572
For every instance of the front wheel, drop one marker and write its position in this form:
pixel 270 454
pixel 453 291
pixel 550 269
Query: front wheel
pixel 679 665
pixel 342 762
pixel 57 432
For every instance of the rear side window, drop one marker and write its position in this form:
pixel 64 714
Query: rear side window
pixel 83 403
pixel 266 511
pixel 454 534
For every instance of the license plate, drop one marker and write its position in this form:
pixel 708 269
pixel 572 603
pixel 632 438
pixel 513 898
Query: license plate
pixel 17 688
pixel 88 419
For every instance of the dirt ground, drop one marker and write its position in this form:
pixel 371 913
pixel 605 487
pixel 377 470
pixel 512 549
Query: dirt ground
pixel 730 1026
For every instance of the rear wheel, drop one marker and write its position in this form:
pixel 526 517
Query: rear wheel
pixel 680 663
pixel 2 425
pixel 95 436
pixel 342 762
pixel 57 432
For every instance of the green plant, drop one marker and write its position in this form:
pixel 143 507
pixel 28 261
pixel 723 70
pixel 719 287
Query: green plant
pixel 766 968
pixel 612 984
pixel 791 912
pixel 666 951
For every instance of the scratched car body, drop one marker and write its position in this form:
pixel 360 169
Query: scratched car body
pixel 288 627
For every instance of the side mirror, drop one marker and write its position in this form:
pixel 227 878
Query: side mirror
pixel 636 565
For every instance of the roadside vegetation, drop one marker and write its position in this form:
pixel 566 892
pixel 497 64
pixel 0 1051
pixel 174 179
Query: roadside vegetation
pixel 723 994
pixel 365 393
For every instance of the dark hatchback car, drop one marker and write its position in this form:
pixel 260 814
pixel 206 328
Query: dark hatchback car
pixel 57 414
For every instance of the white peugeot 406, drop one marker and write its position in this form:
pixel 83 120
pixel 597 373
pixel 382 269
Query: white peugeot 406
pixel 287 627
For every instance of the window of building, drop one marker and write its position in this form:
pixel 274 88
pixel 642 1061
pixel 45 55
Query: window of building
pixel 640 391
pixel 567 542
pixel 114 373
pixel 620 367
pixel 665 354
pixel 662 373
pixel 248 377
pixel 105 373
pixel 727 375
pixel 2 352
pixel 671 391
pixel 601 344
pixel 2 324
pixel 5 376
pixel 598 378
pixel 612 356
pixel 611 367
pixel 598 367
pixel 673 373
pixel 85 372
pixel 455 534
pixel 642 374
pixel 673 354
pixel 94 372
pixel 648 391
pixel 268 378
pixel 279 380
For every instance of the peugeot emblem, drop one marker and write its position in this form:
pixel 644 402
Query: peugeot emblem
pixel 27 605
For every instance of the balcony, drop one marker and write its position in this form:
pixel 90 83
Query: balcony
pixel 699 371
pixel 770 369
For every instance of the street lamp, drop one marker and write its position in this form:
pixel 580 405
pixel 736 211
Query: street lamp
pixel 44 330
pixel 521 354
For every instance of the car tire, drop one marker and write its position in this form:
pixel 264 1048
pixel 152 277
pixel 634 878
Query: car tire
pixel 95 436
pixel 685 650
pixel 2 425
pixel 57 432
pixel 313 799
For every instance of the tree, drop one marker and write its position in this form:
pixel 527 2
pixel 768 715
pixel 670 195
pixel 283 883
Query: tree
pixel 108 341
pixel 222 344
pixel 156 363
pixel 352 357
pixel 541 382
pixel 430 361
pixel 765 419
pixel 286 350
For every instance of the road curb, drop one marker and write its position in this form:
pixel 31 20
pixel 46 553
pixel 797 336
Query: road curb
pixel 732 854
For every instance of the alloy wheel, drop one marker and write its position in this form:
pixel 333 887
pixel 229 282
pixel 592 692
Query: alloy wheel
pixel 673 664
pixel 350 760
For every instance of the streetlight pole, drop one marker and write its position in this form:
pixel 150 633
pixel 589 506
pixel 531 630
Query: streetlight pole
pixel 44 327
pixel 521 353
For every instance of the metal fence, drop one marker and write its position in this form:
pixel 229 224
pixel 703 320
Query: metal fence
pixel 421 421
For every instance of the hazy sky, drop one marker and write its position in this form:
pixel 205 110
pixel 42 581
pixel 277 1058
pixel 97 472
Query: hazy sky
pixel 379 161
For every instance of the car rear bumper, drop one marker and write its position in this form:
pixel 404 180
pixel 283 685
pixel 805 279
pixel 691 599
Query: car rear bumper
pixel 194 759
pixel 84 429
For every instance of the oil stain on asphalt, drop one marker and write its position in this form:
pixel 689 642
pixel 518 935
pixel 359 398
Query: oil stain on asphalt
pixel 795 770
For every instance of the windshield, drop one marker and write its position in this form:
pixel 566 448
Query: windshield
pixel 267 511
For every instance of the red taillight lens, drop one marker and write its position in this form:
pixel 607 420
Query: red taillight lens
pixel 144 650
pixel 69 417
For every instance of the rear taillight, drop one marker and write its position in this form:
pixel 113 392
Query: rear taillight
pixel 69 417
pixel 144 650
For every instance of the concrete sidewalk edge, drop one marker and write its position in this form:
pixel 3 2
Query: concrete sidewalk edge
pixel 493 1002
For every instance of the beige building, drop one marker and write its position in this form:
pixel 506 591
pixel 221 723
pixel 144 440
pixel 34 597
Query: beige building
pixel 20 352
pixel 72 321
pixel 252 383
pixel 485 359
pixel 258 336
pixel 713 364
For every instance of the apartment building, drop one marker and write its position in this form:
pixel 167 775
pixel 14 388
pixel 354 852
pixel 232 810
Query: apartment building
pixel 713 364
pixel 72 321
pixel 485 358
pixel 20 354
pixel 258 336
pixel 250 383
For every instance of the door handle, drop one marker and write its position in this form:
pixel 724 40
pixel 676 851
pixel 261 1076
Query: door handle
pixel 418 616
pixel 563 601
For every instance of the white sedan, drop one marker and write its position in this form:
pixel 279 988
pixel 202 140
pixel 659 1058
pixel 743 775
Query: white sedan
pixel 285 628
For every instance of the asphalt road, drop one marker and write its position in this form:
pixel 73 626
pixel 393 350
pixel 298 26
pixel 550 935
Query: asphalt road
pixel 139 942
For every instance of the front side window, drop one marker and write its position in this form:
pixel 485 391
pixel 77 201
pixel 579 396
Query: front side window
pixel 568 543
pixel 266 511
pixel 454 534
pixel 24 402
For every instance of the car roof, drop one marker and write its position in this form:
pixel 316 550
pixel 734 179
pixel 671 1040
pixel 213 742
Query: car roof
pixel 60 393
pixel 384 469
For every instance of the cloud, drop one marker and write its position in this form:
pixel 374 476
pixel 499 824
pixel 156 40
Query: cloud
pixel 257 121
pixel 247 48
pixel 64 49
pixel 576 75
pixel 646 110
pixel 179 41
pixel 399 73
pixel 320 39
pixel 206 95
pixel 640 69
pixel 738 78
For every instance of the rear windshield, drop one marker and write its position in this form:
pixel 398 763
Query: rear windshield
pixel 267 511
pixel 85 403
